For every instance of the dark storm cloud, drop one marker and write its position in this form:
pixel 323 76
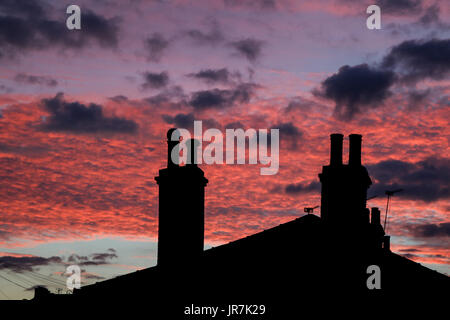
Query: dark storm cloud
pixel 93 259
pixel 355 88
pixel 155 80
pixel 360 87
pixel 249 48
pixel 297 188
pixel 186 121
pixel 73 258
pixel 400 6
pixel 432 230
pixel 156 45
pixel 409 255
pixel 219 99
pixel 213 76
pixel 416 60
pixel 288 129
pixel 173 95
pixel 180 120
pixel 158 99
pixel 425 180
pixel 27 8
pixel 26 25
pixel 104 31
pixel 409 250
pixel 21 264
pixel 79 118
pixel 35 80
pixel 103 257
pixel 290 135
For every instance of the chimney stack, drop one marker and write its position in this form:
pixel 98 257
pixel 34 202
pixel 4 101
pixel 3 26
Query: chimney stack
pixel 181 211
pixel 336 149
pixel 354 158
pixel 344 187
pixel 375 216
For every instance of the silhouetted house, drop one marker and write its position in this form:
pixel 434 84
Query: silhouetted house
pixel 309 261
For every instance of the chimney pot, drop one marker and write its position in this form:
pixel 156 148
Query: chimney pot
pixel 336 149
pixel 354 158
pixel 375 216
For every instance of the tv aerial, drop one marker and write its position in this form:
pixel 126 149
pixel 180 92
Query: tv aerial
pixel 309 210
pixel 389 194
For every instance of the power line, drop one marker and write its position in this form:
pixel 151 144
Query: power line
pixel 62 282
pixel 36 281
pixel 32 278
pixel 46 278
pixel 26 281
pixel 19 285
pixel 39 281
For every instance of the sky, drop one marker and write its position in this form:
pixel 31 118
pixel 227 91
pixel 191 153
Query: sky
pixel 84 115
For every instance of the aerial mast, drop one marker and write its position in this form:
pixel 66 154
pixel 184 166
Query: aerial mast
pixel 310 210
pixel 389 195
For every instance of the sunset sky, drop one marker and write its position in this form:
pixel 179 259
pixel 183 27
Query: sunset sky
pixel 84 115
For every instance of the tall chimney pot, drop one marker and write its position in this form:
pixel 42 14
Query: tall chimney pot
pixel 336 149
pixel 354 158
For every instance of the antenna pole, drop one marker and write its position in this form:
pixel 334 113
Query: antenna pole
pixel 389 194
pixel 387 209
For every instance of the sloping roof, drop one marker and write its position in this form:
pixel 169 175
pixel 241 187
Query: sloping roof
pixel 303 245
pixel 302 227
